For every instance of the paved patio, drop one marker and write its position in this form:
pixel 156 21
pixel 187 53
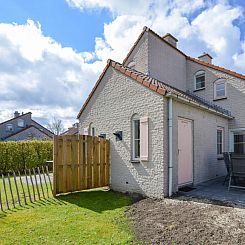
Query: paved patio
pixel 215 190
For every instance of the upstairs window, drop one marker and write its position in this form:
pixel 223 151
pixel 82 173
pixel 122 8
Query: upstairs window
pixel 9 127
pixel 200 80
pixel 20 123
pixel 219 89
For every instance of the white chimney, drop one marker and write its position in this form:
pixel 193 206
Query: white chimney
pixel 16 114
pixel 206 58
pixel 170 39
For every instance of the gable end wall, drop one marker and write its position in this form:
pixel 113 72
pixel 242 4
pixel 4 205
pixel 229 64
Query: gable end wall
pixel 115 101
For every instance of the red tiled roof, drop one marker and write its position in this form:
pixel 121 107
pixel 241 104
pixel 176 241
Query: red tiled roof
pixel 218 68
pixel 146 29
pixel 151 83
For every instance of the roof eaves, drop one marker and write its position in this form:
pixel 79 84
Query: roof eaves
pixel 155 85
pixel 198 104
pixel 145 80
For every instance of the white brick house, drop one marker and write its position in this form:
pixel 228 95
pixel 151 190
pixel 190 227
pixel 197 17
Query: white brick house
pixel 176 114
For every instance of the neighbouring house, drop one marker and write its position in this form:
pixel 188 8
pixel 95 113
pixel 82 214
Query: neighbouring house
pixel 23 127
pixel 169 117
pixel 72 130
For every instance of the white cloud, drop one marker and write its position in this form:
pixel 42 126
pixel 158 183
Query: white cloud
pixel 215 28
pixel 200 26
pixel 239 57
pixel 38 74
pixel 116 7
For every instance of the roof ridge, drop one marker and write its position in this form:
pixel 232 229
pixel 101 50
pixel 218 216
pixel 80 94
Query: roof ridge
pixel 15 117
pixel 219 68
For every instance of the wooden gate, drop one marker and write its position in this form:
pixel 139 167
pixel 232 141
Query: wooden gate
pixel 80 162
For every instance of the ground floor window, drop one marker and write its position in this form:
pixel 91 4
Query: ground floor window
pixel 239 143
pixel 220 141
pixel 136 138
pixel 237 140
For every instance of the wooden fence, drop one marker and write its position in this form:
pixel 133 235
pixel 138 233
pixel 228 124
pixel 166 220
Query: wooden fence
pixel 80 162
pixel 21 188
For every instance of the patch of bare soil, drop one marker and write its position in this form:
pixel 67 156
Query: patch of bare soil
pixel 175 221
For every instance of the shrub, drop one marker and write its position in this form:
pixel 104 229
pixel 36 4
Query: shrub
pixel 20 155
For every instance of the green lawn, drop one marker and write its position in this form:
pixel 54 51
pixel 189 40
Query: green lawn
pixel 89 217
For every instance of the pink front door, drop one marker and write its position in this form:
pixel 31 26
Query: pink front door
pixel 185 152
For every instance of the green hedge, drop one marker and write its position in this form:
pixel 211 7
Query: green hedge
pixel 20 155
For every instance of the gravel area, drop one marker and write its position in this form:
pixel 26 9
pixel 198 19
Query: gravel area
pixel 187 221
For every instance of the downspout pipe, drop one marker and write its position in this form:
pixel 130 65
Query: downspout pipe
pixel 170 144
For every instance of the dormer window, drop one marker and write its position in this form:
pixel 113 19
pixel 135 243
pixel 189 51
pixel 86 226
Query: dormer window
pixel 9 127
pixel 20 123
pixel 219 89
pixel 199 80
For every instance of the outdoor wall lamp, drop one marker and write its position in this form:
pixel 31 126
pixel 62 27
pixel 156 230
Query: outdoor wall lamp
pixel 118 135
pixel 103 136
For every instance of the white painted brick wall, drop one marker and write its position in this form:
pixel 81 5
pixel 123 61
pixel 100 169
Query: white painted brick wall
pixel 166 63
pixel 115 101
pixel 235 92
pixel 140 55
pixel 206 165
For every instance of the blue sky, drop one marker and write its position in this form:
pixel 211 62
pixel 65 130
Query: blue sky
pixel 69 26
pixel 52 51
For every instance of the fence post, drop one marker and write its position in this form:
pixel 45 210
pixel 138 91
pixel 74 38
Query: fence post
pixel 55 152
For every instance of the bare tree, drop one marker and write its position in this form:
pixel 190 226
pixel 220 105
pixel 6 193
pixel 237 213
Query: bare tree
pixel 56 126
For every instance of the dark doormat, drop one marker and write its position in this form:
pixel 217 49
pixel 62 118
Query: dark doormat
pixel 186 188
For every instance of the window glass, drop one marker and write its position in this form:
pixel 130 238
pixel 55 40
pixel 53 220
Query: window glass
pixel 200 80
pixel 239 143
pixel 93 131
pixel 219 141
pixel 20 123
pixel 9 127
pixel 135 138
pixel 219 88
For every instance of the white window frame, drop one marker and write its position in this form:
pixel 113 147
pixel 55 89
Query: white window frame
pixel 21 123
pixel 217 82
pixel 8 126
pixel 222 143
pixel 198 73
pixel 231 137
pixel 135 118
